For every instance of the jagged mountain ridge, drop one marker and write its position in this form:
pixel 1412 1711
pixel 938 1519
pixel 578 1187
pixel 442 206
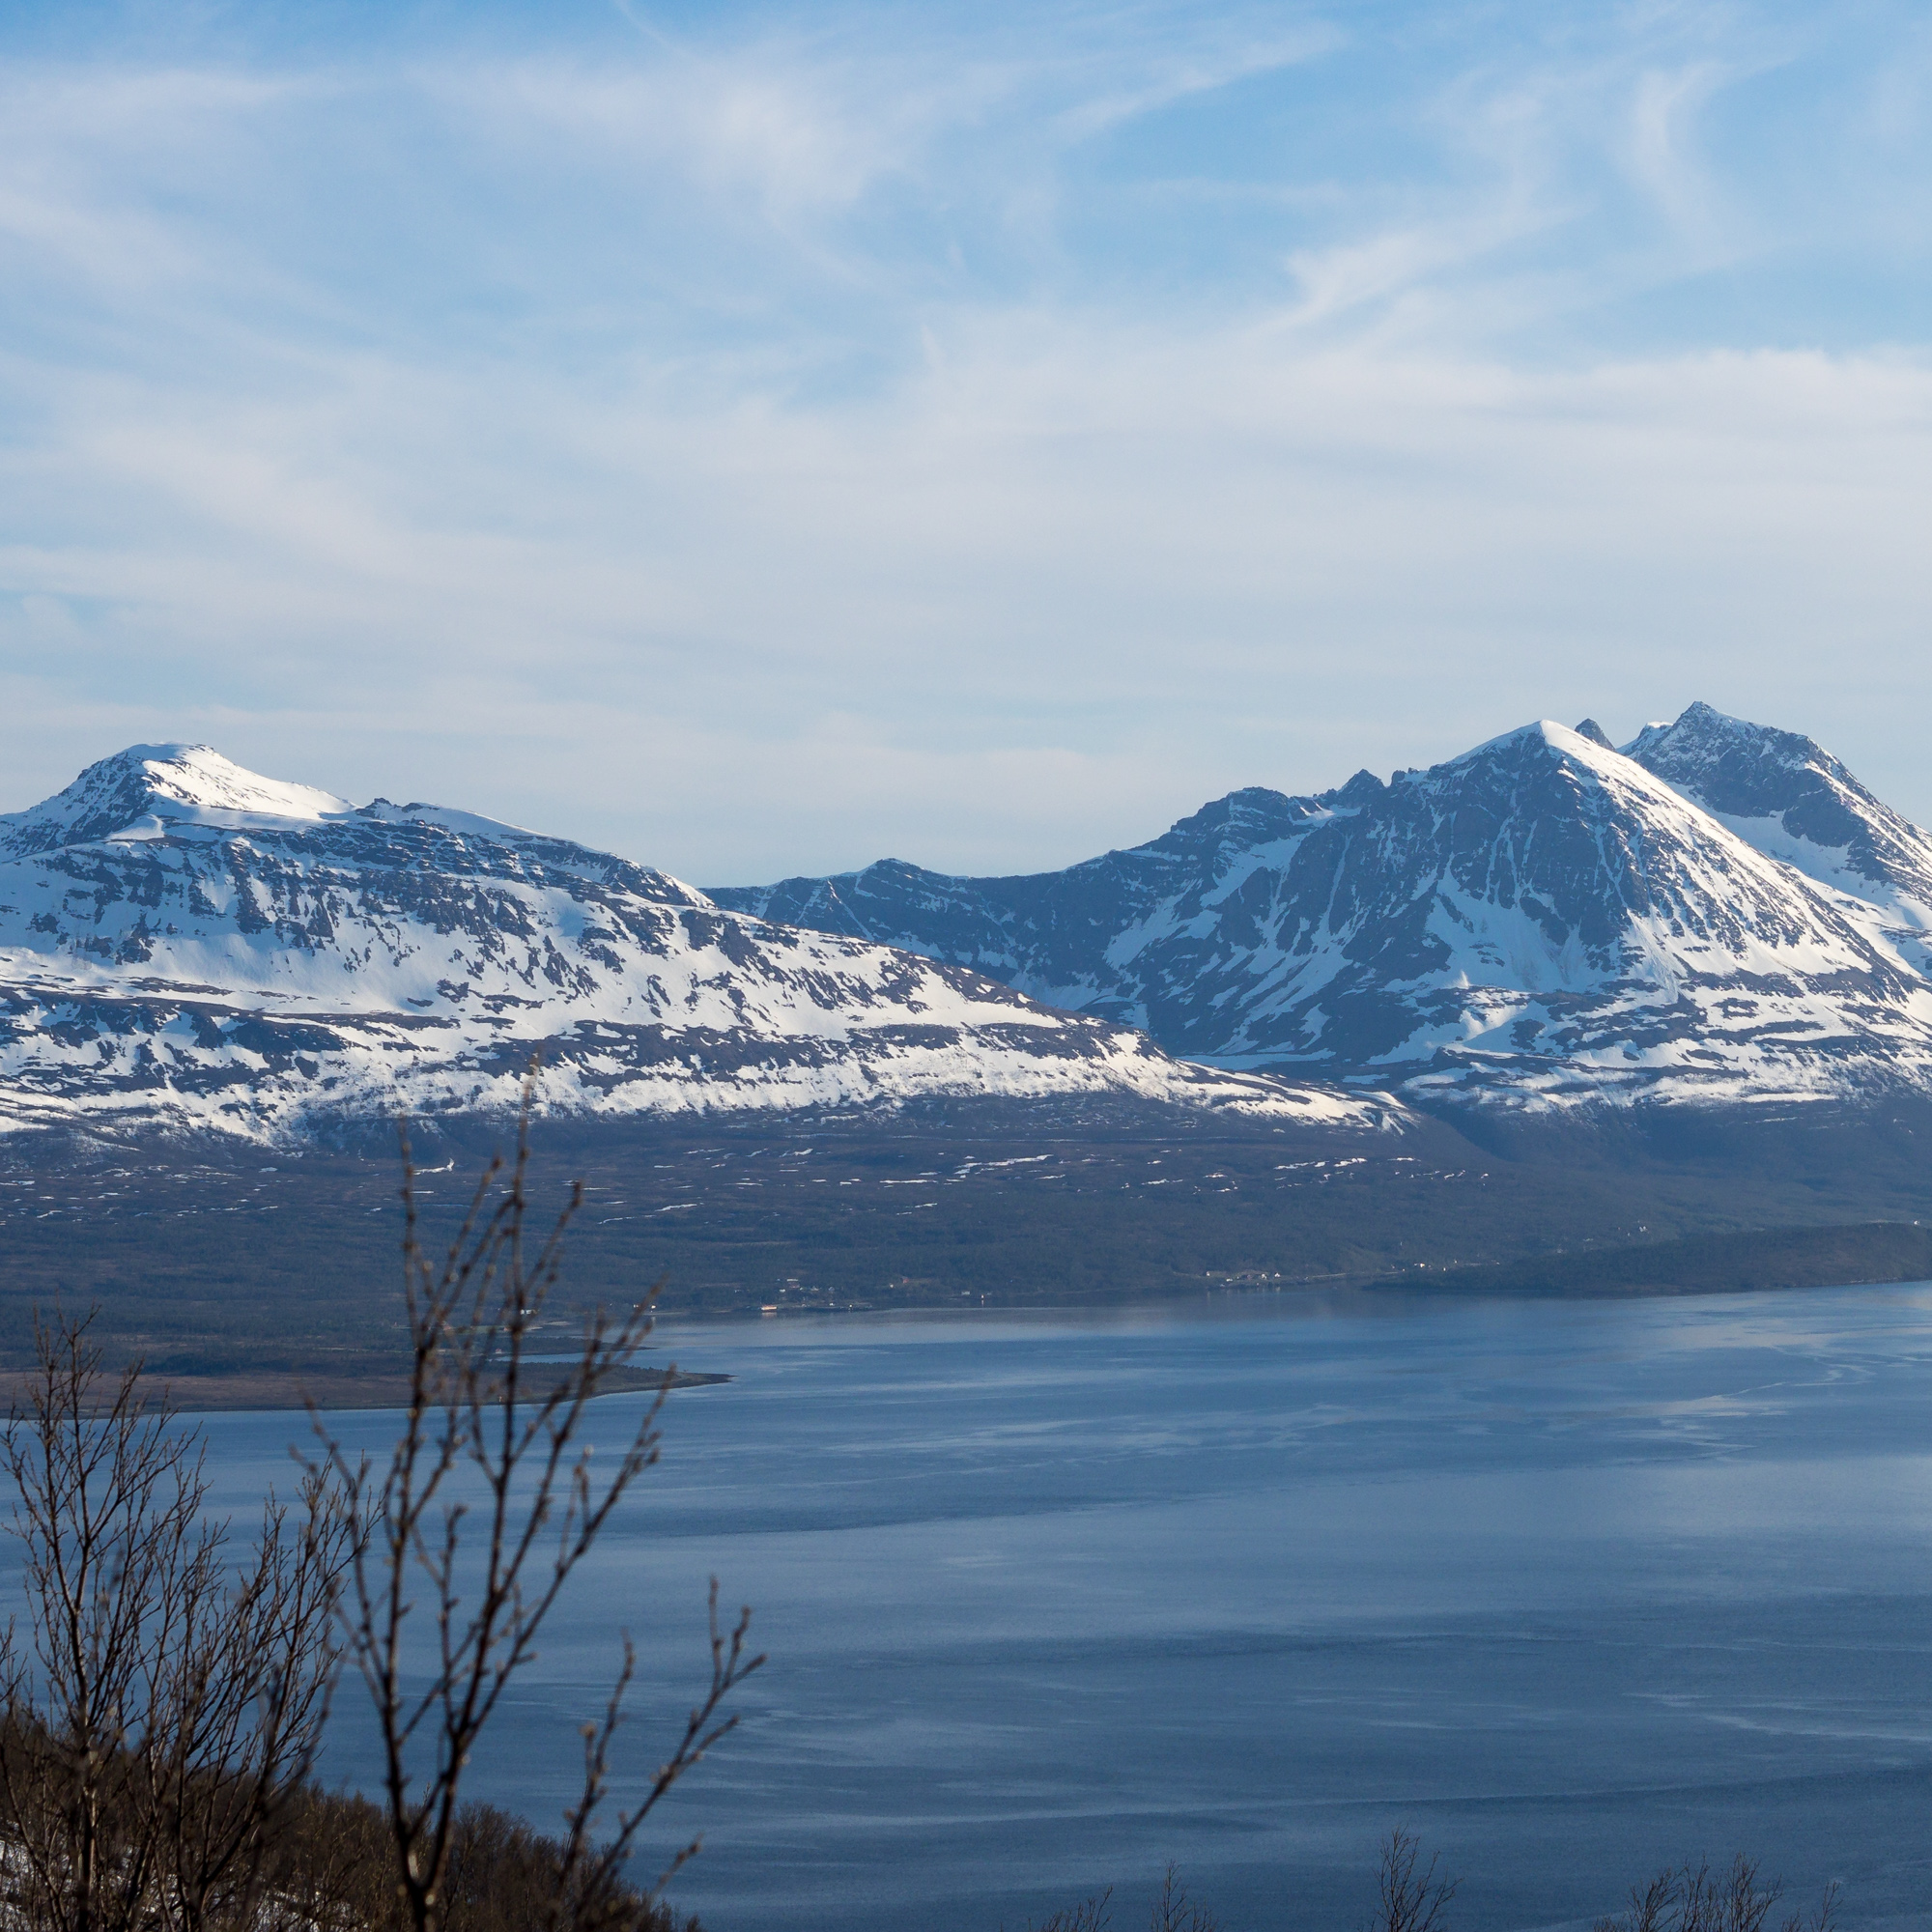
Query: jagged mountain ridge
pixel 1788 797
pixel 186 943
pixel 1715 913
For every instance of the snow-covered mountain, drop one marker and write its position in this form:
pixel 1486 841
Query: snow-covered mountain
pixel 1788 797
pixel 1716 913
pixel 184 943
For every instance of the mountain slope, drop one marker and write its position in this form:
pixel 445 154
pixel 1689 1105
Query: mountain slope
pixel 186 943
pixel 1541 922
pixel 1788 797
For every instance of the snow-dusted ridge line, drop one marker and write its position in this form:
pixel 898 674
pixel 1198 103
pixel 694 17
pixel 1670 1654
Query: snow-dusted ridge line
pixel 1717 913
pixel 187 944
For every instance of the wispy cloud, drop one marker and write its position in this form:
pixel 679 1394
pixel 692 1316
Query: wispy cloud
pixel 763 444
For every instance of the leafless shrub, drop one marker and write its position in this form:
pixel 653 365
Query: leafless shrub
pixel 1694 1899
pixel 1409 1900
pixel 166 1704
pixel 1090 1914
pixel 1175 1912
pixel 480 1514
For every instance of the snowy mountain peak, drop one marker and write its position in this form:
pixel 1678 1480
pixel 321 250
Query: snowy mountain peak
pixel 1702 731
pixel 1743 767
pixel 1546 755
pixel 147 787
pixel 1585 742
pixel 1788 796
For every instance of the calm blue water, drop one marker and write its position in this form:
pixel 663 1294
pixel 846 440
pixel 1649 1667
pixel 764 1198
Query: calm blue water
pixel 1570 1589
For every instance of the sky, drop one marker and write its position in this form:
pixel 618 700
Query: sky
pixel 763 439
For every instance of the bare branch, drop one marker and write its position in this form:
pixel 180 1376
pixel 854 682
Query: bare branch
pixel 471 1527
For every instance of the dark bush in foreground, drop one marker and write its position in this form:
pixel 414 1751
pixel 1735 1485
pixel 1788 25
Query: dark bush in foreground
pixel 331 1866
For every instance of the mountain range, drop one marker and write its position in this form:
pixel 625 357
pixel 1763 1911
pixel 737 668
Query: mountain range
pixel 186 945
pixel 1715 915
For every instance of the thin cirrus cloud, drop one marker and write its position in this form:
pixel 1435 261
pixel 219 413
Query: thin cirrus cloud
pixel 760 441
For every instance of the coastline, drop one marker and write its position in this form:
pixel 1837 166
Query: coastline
pixel 296 1389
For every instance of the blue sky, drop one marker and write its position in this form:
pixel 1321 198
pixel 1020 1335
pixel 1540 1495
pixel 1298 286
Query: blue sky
pixel 763 439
